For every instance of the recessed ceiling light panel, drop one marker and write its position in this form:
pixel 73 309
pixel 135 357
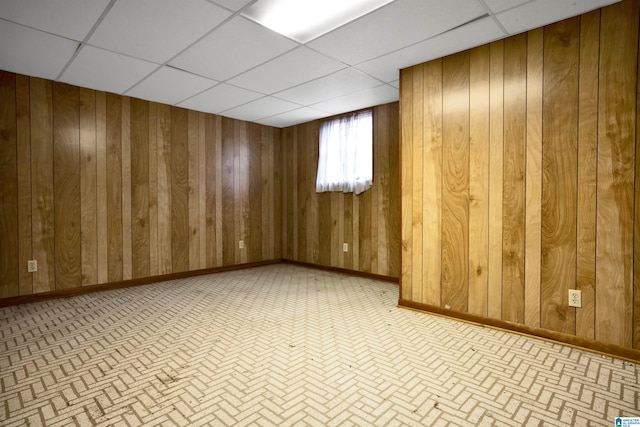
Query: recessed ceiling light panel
pixel 305 20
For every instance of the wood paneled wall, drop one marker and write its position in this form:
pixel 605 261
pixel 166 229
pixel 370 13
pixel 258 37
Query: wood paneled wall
pixel 315 225
pixel 519 161
pixel 100 188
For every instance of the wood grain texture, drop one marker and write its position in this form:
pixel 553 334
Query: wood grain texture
pixel 478 179
pixel 127 250
pixel 179 190
pixel 255 189
pixel 154 264
pixel 88 187
pixel 587 172
pixel 393 218
pixel 211 133
pixel 202 191
pixel 513 202
pixel 42 199
pixel 228 200
pixel 9 274
pixel 140 230
pixel 616 169
pixel 533 211
pixel 636 228
pixel 220 220
pixel 455 181
pixel 66 185
pixel 381 171
pixel 406 183
pixel 114 187
pixel 417 149
pixel 559 177
pixel 193 144
pixel 163 135
pixel 496 166
pixel 23 135
pixel 101 187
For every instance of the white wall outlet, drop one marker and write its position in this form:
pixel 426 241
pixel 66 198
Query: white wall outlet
pixel 241 244
pixel 575 298
pixel 32 265
pixel 345 247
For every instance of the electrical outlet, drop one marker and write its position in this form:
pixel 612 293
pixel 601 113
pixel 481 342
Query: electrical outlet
pixel 241 244
pixel 345 247
pixel 575 298
pixel 32 265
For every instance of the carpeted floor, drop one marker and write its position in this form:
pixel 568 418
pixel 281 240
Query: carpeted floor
pixel 286 345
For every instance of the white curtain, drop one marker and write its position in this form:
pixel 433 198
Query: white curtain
pixel 346 154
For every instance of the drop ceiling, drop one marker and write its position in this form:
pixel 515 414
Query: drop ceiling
pixel 207 56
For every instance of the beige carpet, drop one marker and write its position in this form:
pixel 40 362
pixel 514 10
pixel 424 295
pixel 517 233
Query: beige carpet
pixel 285 345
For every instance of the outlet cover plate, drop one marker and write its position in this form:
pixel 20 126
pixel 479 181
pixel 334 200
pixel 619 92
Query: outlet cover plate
pixel 32 266
pixel 575 298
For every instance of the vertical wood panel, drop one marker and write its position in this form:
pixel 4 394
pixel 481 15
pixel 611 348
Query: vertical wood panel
pixel 210 155
pixel 478 179
pixel 417 178
pixel 587 161
pixel 9 253
pixel 533 213
pixel 202 190
pixel 455 188
pixel 278 195
pixel 254 193
pixel 243 189
pixel 219 219
pixel 88 187
pixel 179 190
pixel 266 192
pixel 394 191
pixel 154 262
pixel 636 228
pixel 406 150
pixel 312 136
pixel 24 182
pixel 127 255
pixel 140 231
pixel 513 211
pixel 496 165
pixel 560 117
pixel 66 185
pixel 364 236
pixel 228 201
pixel 163 135
pixel 381 128
pixel 616 140
pixel 114 186
pixel 432 185
pixel 194 189
pixel 101 185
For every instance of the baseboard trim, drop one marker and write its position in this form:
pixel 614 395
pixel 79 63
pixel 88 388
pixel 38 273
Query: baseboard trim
pixel 64 293
pixel 593 346
pixel 346 271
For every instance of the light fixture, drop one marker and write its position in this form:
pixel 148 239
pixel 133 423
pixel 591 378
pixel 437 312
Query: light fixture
pixel 305 20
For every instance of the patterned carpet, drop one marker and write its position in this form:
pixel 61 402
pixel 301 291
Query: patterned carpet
pixel 286 345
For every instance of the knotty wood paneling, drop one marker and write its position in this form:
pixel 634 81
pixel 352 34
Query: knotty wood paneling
pixel 315 225
pixel 101 188
pixel 9 253
pixel 554 111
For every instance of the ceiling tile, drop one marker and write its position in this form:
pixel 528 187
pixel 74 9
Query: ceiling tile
pixel 103 70
pixel 220 98
pixel 498 6
pixel 334 85
pixel 156 30
pixel 395 83
pixel 68 18
pixel 290 118
pixel 288 70
pixel 259 109
pixel 395 26
pixel 379 95
pixel 542 12
pixel 234 5
pixel 235 47
pixel 170 86
pixel 32 52
pixel 386 68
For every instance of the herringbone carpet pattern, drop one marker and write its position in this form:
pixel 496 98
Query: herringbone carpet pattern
pixel 285 345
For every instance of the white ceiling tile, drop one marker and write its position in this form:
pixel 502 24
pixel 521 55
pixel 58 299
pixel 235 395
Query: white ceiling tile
pixel 498 6
pixel 103 70
pixel 233 48
pixel 220 98
pixel 542 12
pixel 301 115
pixel 395 26
pixel 261 108
pixel 395 83
pixel 387 67
pixel 68 18
pixel 32 52
pixel 288 70
pixel 156 30
pixel 170 86
pixel 234 5
pixel 334 85
pixel 367 98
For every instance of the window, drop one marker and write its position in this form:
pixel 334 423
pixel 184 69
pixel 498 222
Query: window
pixel 345 162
